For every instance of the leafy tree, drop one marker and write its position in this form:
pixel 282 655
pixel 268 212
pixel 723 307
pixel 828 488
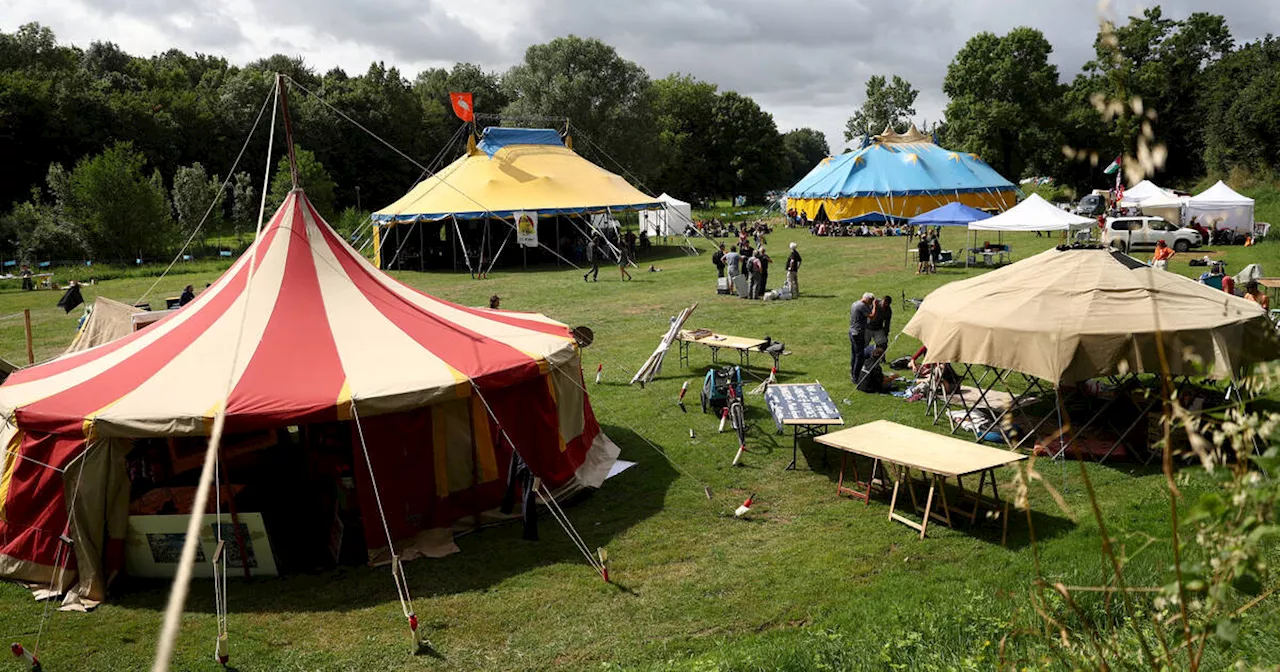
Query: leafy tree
pixel 485 87
pixel 608 99
pixel 888 104
pixel 805 148
pixel 1242 109
pixel 41 235
pixel 685 111
pixel 312 177
pixel 1004 103
pixel 750 157
pixel 121 212
pixel 1160 62
pixel 244 203
pixel 194 192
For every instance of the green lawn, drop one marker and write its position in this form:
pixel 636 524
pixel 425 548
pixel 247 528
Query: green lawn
pixel 811 581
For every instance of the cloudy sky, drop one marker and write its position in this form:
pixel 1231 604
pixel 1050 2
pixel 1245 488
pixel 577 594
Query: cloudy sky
pixel 805 61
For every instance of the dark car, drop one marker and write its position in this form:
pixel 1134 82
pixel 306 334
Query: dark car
pixel 1092 205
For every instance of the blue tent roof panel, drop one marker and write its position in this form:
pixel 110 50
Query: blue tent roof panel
pixel 496 137
pixel 899 169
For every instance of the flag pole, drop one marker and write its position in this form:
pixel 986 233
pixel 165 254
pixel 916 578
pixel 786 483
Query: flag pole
pixel 288 128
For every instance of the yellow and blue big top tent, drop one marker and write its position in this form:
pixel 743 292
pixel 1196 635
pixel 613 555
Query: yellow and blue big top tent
pixel 898 176
pixel 509 171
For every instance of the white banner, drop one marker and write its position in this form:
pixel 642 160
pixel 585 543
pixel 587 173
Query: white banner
pixel 526 228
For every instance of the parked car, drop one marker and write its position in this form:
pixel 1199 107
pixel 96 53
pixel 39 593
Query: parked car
pixel 1092 205
pixel 1128 233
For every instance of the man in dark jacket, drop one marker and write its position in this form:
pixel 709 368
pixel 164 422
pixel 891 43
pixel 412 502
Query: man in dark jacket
pixel 878 328
pixel 861 313
pixel 717 258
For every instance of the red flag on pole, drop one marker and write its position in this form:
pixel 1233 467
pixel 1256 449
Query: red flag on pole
pixel 462 106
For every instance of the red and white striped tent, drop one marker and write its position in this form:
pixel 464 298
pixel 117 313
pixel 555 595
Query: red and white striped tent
pixel 301 330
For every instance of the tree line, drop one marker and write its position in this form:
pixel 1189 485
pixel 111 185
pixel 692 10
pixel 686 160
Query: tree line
pixel 116 157
pixel 1212 105
pixel 112 156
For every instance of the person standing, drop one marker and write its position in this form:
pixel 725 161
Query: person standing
pixel 935 252
pixel 188 295
pixel 750 268
pixel 731 267
pixel 922 254
pixel 1160 258
pixel 879 327
pixel 793 271
pixel 762 280
pixel 624 258
pixel 630 238
pixel 861 313
pixel 717 258
pixel 593 258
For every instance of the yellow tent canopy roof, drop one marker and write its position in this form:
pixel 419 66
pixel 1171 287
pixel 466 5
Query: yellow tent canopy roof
pixel 512 170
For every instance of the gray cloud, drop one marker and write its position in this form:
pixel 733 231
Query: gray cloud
pixel 405 30
pixel 806 61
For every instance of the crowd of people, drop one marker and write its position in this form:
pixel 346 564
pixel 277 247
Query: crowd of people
pixel 860 230
pixel 714 228
pixel 742 263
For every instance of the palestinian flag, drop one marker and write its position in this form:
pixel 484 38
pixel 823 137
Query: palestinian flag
pixel 1111 169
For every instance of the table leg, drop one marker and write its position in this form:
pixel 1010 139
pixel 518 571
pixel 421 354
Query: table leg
pixel 871 481
pixel 795 444
pixel 928 507
pixel 893 501
pixel 911 490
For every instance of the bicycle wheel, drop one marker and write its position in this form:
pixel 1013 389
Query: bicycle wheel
pixel 739 421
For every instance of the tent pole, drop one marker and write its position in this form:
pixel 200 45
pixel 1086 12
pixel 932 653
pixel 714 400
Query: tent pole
pixel 421 250
pixel 558 252
pixel 453 244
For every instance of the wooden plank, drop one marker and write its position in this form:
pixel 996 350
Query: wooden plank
pixel 918 449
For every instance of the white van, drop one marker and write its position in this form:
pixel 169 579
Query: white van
pixel 1128 233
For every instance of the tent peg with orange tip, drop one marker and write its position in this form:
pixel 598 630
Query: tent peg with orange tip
pixel 26 656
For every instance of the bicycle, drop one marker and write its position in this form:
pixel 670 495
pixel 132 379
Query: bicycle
pixel 737 416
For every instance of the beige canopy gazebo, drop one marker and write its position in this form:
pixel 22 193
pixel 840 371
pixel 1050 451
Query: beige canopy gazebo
pixel 1067 315
pixel 1071 314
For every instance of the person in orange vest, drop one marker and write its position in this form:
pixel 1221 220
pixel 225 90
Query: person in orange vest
pixel 1162 256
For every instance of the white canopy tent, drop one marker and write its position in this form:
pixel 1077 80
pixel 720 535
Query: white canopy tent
pixel 1139 193
pixel 1154 201
pixel 1033 214
pixel 1221 207
pixel 672 220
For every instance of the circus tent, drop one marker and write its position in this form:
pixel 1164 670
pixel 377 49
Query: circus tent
pixel 301 330
pixel 898 176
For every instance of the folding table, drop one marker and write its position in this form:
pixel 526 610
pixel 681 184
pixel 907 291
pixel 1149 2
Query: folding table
pixel 804 407
pixel 936 457
pixel 744 346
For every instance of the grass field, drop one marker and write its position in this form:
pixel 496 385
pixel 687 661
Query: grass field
pixel 811 581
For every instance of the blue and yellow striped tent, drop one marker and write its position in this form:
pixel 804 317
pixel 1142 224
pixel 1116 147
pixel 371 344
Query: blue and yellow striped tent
pixel 898 176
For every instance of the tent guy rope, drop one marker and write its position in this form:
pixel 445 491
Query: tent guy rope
pixel 182 579
pixel 216 199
